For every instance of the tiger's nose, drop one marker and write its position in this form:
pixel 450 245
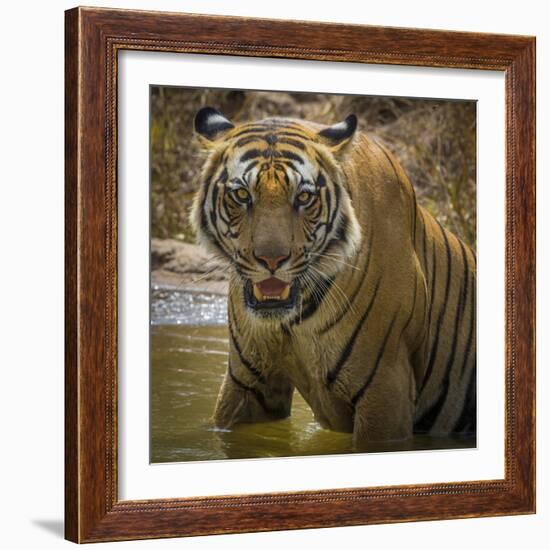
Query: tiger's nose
pixel 272 262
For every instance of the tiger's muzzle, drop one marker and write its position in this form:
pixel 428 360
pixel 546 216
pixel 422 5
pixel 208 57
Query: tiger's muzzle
pixel 271 297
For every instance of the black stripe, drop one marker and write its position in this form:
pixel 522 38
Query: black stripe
pixel 293 142
pixel 428 419
pixel 468 347
pixel 213 220
pixel 370 378
pixel 315 301
pixel 424 247
pixel 251 129
pixel 466 273
pixel 271 139
pixel 330 219
pixel 414 215
pixel 280 122
pixel 223 176
pixel 355 292
pixel 293 134
pixel 287 182
pixel 464 286
pixel 287 163
pixel 249 139
pixel 245 260
pixel 389 159
pixel 319 224
pixel 291 156
pixel 251 154
pixel 328 202
pixel 298 266
pixel 250 166
pixel 204 218
pixel 223 212
pixel 243 360
pixel 213 214
pixel 411 314
pixel 468 417
pixel 397 179
pixel 231 314
pixel 346 351
pixel 212 238
pixel 336 207
pixel 254 391
pixel 241 385
pixel 213 232
pixel 435 345
pixel 341 234
pixel 434 280
pixel 425 423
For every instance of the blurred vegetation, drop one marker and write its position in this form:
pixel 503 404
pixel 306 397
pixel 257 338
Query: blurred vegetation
pixel 435 141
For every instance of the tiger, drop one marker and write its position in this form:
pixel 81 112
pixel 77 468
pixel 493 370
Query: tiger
pixel 341 285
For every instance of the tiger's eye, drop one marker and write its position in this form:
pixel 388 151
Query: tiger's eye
pixel 303 197
pixel 242 195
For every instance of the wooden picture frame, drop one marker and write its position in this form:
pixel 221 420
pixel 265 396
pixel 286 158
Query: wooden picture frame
pixel 93 511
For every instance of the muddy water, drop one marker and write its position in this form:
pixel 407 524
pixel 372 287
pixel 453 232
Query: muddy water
pixel 189 343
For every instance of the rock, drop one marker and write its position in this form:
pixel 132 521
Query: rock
pixel 175 263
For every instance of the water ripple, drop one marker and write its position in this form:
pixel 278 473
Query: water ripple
pixel 185 307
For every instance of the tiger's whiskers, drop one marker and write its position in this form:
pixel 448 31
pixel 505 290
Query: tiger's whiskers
pixel 336 287
pixel 332 258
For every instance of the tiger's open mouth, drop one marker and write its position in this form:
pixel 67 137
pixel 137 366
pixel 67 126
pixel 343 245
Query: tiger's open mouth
pixel 270 294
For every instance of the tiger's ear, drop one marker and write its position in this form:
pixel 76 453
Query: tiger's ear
pixel 339 135
pixel 210 125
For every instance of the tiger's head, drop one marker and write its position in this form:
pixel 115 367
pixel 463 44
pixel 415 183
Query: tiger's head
pixel 274 202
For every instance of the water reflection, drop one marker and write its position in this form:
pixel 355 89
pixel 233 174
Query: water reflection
pixel 188 361
pixel 176 306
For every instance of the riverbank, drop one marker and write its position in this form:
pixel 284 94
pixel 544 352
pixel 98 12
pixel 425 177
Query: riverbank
pixel 175 264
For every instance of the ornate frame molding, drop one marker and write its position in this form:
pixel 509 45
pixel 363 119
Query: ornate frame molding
pixel 93 38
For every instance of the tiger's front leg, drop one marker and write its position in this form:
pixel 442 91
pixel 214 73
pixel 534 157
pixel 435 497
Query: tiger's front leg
pixel 384 409
pixel 248 395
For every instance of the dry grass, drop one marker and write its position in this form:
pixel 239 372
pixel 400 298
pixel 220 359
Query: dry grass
pixel 434 140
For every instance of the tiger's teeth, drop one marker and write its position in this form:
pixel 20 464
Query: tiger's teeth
pixel 257 294
pixel 285 293
pixel 260 297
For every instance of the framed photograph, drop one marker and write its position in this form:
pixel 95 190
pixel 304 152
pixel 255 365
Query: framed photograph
pixel 300 275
